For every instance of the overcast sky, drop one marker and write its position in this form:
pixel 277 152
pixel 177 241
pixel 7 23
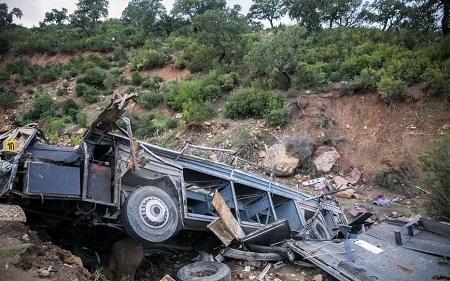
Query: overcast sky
pixel 34 10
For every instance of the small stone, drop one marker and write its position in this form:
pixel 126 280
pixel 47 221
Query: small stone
pixel 318 277
pixel 365 127
pixel 446 127
pixel 347 126
pixel 357 196
pixel 44 273
pixel 394 213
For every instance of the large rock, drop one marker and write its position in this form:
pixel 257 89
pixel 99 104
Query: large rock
pixel 278 161
pixel 325 157
pixel 126 256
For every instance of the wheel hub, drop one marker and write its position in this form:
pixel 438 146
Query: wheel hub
pixel 153 212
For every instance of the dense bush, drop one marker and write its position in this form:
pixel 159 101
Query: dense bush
pixel 89 93
pixel 148 59
pixel 136 78
pixel 251 103
pixel 41 107
pixel 94 77
pixel 150 99
pixel 196 112
pixel 8 99
pixel 437 164
pixel 392 90
pixel 185 91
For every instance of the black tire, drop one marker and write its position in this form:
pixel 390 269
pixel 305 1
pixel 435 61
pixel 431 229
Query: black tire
pixel 204 271
pixel 149 214
pixel 319 231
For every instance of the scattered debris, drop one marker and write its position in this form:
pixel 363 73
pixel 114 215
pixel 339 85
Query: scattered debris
pixel 380 200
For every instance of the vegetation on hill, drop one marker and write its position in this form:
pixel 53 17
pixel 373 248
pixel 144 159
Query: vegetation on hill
pixel 383 47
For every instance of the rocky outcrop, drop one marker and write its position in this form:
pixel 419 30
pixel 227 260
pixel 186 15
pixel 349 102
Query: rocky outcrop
pixel 279 162
pixel 325 157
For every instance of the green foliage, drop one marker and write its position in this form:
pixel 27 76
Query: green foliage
pixel 148 59
pixel 438 79
pixel 41 107
pixel 227 81
pixel 309 76
pixel 48 74
pixel 94 77
pixel 172 123
pixel 8 99
pixel 251 103
pixel 196 112
pixel 81 119
pixel 70 108
pixel 367 80
pixel 185 91
pixel 392 90
pixel 436 164
pixel 4 75
pixel 89 93
pixel 136 78
pixel 150 99
pixel 277 116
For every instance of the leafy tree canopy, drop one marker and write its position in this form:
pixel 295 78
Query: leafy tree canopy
pixel 144 13
pixel 56 17
pixel 6 18
pixel 88 13
pixel 267 10
pixel 190 8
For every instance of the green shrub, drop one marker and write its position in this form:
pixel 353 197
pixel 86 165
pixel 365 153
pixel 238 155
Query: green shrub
pixel 4 75
pixel 251 103
pixel 56 126
pixel 70 108
pixel 94 77
pixel 391 90
pixel 148 59
pixel 438 79
pixel 26 77
pixel 48 74
pixel 80 89
pixel 136 78
pixel 18 66
pixel 196 112
pixel 89 93
pixel 8 99
pixel 277 116
pixel 81 119
pixel 185 91
pixel 211 93
pixel 150 100
pixel 436 164
pixel 367 80
pixel 228 80
pixel 172 123
pixel 41 107
pixel 309 77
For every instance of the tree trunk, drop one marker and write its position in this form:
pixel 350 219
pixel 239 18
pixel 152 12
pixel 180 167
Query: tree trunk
pixel 445 17
pixel 289 81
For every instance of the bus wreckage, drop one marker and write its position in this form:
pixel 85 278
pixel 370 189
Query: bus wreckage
pixel 114 183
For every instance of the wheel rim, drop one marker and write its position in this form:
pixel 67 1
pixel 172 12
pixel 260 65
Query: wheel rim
pixel 153 212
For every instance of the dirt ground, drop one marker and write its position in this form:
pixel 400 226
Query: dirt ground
pixel 368 134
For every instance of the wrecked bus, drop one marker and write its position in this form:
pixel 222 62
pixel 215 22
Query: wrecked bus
pixel 150 193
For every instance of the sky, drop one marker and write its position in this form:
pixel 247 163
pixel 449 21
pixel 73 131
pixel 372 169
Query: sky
pixel 34 10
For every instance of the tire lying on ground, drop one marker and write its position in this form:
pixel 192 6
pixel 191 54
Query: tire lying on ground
pixel 204 271
pixel 149 214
